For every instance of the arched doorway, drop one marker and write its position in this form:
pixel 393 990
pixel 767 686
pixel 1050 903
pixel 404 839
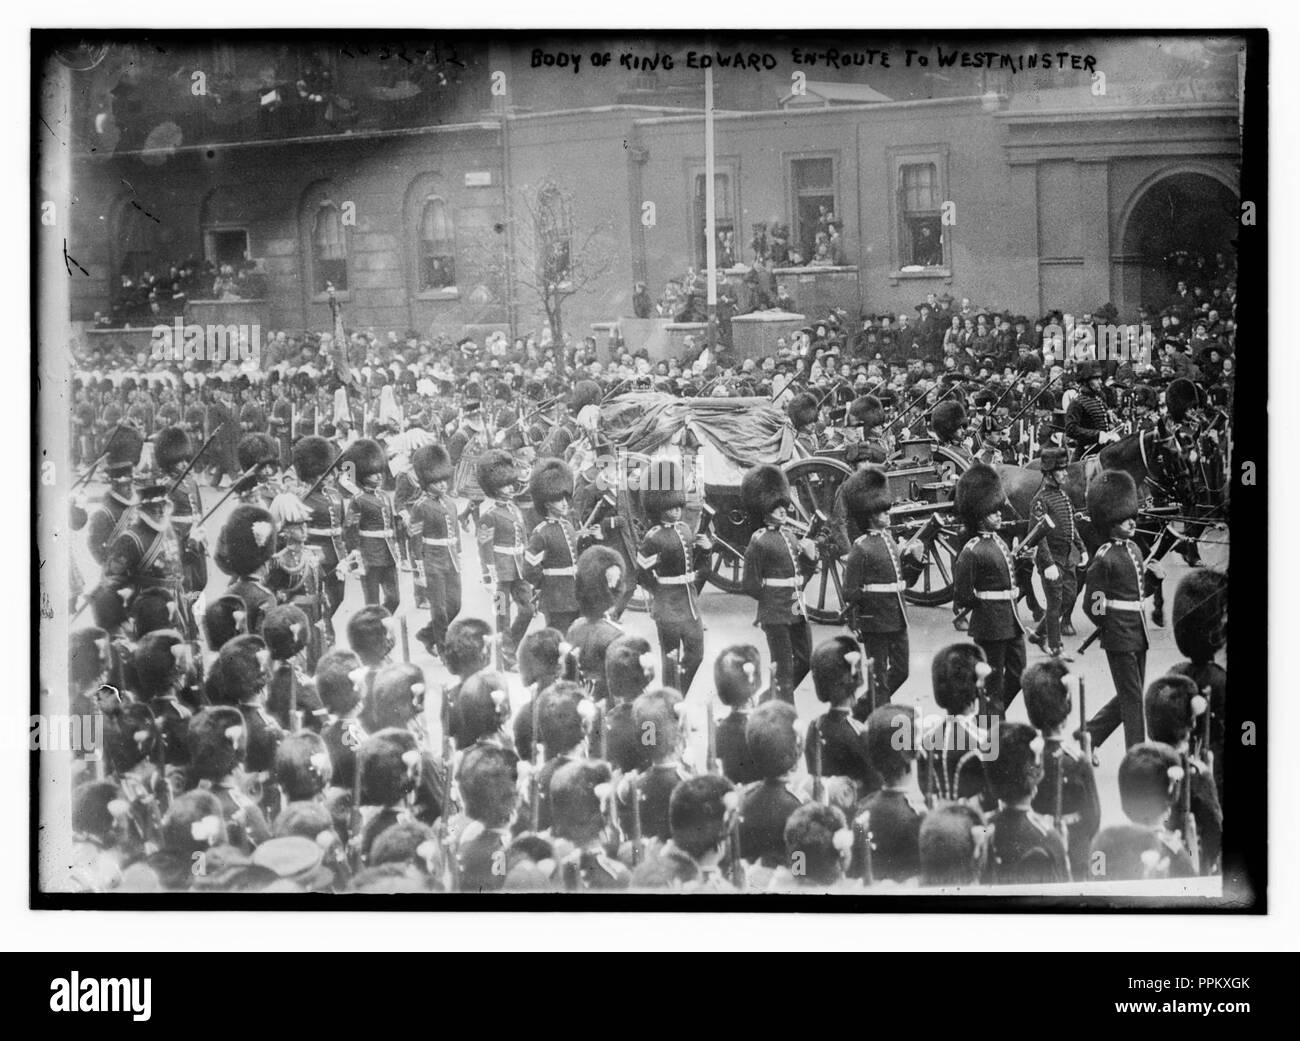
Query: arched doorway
pixel 1182 226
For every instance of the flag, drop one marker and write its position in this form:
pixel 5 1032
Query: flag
pixel 339 349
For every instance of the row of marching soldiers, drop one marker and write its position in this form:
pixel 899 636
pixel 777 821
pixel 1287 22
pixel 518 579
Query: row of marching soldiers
pixel 267 774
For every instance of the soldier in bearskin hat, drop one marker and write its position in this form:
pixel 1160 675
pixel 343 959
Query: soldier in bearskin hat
pixel 502 538
pixel 312 457
pixel 876 574
pixel 1025 849
pixel 1150 776
pixel 488 781
pixel 580 794
pixel 435 543
pixel 290 694
pixel 948 422
pixel 218 741
pixel 887 819
pixel 955 747
pixel 1175 714
pixel 735 681
pixel 370 528
pixel 834 745
pixel 551 556
pixel 668 562
pixel 259 461
pixel 133 757
pixel 803 411
pixel 700 817
pixel 1113 601
pixel 984 580
pixel 1072 802
pixel 239 678
pixel 1201 632
pixel 541 662
pixel 294 574
pixel 598 586
pixel 172 452
pixel 163 666
pixel 777 564
pixel 245 547
pixel 766 805
pixel 112 514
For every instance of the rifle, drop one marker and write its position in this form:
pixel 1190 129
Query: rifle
pixel 1030 403
pixel 325 473
pixel 295 714
pixel 862 837
pixel 1035 535
pixel 733 847
pixel 711 744
pixel 450 861
pixel 176 483
pixel 235 486
pixel 98 459
pixel 1085 735
pixel 815 754
pixel 1207 753
pixel 534 775
pixel 638 842
pixel 1058 813
pixel 406 640
pixel 354 818
pixel 1190 838
pixel 673 670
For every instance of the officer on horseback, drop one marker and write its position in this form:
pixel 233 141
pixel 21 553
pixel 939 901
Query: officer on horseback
pixel 1088 421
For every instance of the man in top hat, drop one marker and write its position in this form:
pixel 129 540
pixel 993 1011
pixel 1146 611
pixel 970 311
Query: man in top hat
pixel 173 451
pixel 312 456
pixel 1113 601
pixel 502 537
pixel 435 542
pixel 1087 420
pixel 668 561
pixel 370 527
pixel 876 574
pixel 1060 552
pixel 777 564
pixel 984 581
pixel 551 557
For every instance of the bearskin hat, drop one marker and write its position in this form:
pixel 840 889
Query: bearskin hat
pixel 762 490
pixel 947 418
pixel 1146 395
pixel 285 629
pixel 837 669
pixel 494 470
pixel 665 487
pixel 1016 769
pixel 302 766
pixel 1112 497
pixel 216 740
pixel 484 706
pixel 1200 614
pixel 561 721
pixel 1147 783
pixel 124 449
pixel 866 411
pixel 772 739
pixel 697 812
pixel 802 410
pixel 1047 698
pixel 539 657
pixel 194 822
pixel 369 634
pixel 431 463
pixel 172 447
pixel 154 609
pixel 627 672
pixel 736 673
pixel 130 736
pixel 224 619
pixel 1181 396
pixel 979 493
pixel 246 540
pixel 240 672
pixel 257 450
pixel 866 493
pixel 1130 852
pixel 312 456
pixel 390 763
pixel 551 481
pixel 107 607
pixel 333 678
pixel 947 844
pixel 366 457
pixel 1174 707
pixel 955 675
pixel 575 804
pixel 595 592
pixel 90 656
pixel 395 698
pixel 584 393
pixel 160 659
pixel 487 784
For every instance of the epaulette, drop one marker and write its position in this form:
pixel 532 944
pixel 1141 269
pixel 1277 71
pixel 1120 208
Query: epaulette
pixel 1039 823
pixel 1101 550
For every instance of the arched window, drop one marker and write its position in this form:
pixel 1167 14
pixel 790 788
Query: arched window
pixel 437 246
pixel 553 235
pixel 329 251
pixel 135 241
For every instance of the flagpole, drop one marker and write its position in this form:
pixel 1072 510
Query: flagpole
pixel 710 214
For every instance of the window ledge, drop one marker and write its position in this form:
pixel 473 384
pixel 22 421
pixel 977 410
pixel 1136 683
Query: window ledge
pixel 449 293
pixel 927 272
pixel 343 295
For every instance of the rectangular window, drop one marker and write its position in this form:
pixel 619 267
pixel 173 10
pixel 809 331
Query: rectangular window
pixel 920 239
pixel 226 246
pixel 814 210
pixel 724 221
pixel 329 249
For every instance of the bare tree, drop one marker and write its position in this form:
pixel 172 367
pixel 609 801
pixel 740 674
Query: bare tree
pixel 548 258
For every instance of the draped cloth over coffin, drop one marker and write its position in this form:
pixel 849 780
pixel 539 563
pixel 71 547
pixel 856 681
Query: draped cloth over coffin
pixel 746 431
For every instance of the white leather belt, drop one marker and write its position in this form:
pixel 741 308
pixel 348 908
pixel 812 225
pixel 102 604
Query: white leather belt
pixel 675 580
pixel 186 519
pixel 885 587
pixel 996 594
pixel 790 582
pixel 325 532
pixel 383 533
pixel 559 572
pixel 439 542
pixel 509 551
pixel 1123 605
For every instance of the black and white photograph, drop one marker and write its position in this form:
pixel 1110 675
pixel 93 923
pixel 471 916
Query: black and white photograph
pixel 654 470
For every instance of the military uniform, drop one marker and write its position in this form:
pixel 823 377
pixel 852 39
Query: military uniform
pixel 147 555
pixel 106 522
pixel 843 748
pixel 501 541
pixel 656 786
pixel 370 529
pixel 325 535
pixel 984 581
pixel 1115 577
pixel 764 809
pixel 875 576
pixel 775 571
pixel 1063 548
pixel 1080 806
pixel 893 827
pixel 294 577
pixel 952 767
pixel 435 542
pixel 550 566
pixel 281 427
pixel 732 750
pixel 667 563
pixel 1086 420
pixel 1025 850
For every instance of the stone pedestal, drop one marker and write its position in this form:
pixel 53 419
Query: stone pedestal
pixel 660 338
pixel 816 290
pixel 755 335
